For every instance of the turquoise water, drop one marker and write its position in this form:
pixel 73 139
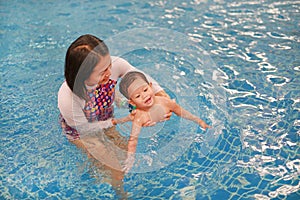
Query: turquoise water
pixel 238 69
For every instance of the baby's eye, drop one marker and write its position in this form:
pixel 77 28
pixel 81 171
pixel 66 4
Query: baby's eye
pixel 146 89
pixel 137 96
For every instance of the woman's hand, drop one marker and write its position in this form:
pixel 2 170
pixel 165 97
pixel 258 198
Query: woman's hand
pixel 167 116
pixel 162 94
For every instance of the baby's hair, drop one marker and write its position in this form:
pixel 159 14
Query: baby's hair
pixel 128 79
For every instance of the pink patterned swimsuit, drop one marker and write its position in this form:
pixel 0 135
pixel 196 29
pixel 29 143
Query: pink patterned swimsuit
pixel 99 107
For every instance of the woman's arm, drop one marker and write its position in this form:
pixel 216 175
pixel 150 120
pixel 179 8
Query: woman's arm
pixel 71 106
pixel 162 94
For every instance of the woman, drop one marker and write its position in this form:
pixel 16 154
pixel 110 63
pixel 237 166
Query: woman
pixel 85 100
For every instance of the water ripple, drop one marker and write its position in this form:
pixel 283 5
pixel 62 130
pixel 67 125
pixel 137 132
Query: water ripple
pixel 253 34
pixel 280 36
pixel 256 46
pixel 265 67
pixel 280 46
pixel 297 68
pixel 284 190
pixel 278 80
pixel 215 25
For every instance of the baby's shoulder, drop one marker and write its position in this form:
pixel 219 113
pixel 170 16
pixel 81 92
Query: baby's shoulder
pixel 141 116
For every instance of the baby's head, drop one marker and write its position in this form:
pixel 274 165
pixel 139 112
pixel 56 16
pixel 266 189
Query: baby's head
pixel 131 82
pixel 137 89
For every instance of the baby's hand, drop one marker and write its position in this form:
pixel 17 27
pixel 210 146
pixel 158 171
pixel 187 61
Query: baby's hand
pixel 204 125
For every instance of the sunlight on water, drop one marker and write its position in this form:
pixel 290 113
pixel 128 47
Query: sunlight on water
pixel 233 63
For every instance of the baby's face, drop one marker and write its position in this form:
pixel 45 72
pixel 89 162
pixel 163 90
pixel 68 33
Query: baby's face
pixel 143 97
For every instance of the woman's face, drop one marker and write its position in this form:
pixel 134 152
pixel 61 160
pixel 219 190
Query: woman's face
pixel 101 73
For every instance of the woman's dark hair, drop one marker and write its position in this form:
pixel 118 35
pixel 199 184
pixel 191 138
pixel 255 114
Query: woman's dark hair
pixel 81 58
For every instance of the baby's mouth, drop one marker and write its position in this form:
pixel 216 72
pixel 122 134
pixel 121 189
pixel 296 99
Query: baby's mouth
pixel 148 100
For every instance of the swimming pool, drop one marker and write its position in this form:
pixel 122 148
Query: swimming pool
pixel 253 55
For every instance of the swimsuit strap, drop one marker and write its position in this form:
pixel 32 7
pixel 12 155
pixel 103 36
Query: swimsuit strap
pixel 99 106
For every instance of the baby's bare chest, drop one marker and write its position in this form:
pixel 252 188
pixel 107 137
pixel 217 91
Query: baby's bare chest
pixel 157 113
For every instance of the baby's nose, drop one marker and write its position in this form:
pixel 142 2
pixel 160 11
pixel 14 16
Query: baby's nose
pixel 144 95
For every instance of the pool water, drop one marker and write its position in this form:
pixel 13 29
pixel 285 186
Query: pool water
pixel 234 64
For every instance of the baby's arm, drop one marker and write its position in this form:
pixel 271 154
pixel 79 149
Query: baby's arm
pixel 178 110
pixel 132 143
pixel 121 120
pixel 133 139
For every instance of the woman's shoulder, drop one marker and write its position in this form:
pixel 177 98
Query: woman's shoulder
pixel 118 61
pixel 66 97
pixel 64 90
pixel 119 67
